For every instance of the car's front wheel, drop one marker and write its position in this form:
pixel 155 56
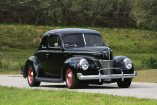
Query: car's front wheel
pixel 72 81
pixel 124 84
pixel 31 77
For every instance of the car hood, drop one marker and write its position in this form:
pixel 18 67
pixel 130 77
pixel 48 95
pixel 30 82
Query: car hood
pixel 95 52
pixel 87 49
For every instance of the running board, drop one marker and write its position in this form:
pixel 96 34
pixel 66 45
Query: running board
pixel 42 79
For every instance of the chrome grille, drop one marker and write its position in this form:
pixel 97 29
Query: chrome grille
pixel 107 64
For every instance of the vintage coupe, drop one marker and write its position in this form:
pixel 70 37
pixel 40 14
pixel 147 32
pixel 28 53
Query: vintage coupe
pixel 78 57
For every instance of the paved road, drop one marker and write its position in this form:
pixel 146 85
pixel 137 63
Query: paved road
pixel 140 90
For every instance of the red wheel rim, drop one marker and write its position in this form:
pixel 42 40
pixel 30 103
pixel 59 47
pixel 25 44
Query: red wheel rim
pixel 69 77
pixel 30 75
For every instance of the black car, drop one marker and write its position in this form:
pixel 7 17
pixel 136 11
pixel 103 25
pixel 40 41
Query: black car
pixel 78 57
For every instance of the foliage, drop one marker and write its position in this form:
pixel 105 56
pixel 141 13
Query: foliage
pixel 144 13
pixel 1 65
pixel 150 62
pixel 68 12
pixel 108 13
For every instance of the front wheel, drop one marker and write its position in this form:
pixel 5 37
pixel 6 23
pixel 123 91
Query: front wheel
pixel 124 84
pixel 72 81
pixel 31 77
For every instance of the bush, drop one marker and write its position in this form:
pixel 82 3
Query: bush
pixel 11 65
pixel 0 64
pixel 22 66
pixel 149 63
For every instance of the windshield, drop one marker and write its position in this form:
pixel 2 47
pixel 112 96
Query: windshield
pixel 80 40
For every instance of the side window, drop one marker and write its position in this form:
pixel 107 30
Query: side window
pixel 54 41
pixel 44 42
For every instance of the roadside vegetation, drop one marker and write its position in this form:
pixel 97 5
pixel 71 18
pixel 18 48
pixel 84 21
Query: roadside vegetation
pixel 104 13
pixel 149 76
pixel 15 96
pixel 18 43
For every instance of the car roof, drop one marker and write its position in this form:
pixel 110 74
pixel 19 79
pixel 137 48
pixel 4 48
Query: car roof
pixel 66 31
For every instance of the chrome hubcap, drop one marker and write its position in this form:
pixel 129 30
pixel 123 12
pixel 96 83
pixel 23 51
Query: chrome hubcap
pixel 30 75
pixel 69 77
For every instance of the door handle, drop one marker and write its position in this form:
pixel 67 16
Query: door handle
pixel 47 54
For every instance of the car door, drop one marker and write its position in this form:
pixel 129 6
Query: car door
pixel 41 55
pixel 55 56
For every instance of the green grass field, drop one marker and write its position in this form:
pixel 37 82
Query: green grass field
pixel 15 96
pixel 149 76
pixel 18 42
pixel 120 39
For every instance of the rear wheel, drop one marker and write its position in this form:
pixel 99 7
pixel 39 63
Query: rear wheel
pixel 124 84
pixel 72 81
pixel 31 77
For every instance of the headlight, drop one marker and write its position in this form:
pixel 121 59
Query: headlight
pixel 128 63
pixel 84 64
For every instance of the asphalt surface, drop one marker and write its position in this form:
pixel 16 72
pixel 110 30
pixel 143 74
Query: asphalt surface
pixel 140 90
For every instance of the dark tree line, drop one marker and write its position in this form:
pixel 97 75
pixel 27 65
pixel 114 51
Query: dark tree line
pixel 109 13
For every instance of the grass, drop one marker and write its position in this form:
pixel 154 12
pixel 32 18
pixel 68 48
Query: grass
pixel 146 76
pixel 120 39
pixel 18 42
pixel 15 96
pixel 12 62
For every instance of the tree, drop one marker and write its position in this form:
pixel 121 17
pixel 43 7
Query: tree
pixel 144 13
pixel 98 7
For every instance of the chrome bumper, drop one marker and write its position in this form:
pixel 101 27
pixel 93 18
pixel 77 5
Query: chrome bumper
pixel 110 76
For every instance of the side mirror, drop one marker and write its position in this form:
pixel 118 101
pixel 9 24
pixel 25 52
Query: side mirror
pixel 107 44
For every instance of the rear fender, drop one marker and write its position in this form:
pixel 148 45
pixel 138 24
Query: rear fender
pixel 33 60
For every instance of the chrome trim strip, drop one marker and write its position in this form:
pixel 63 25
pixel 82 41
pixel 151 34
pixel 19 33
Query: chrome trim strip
pixel 103 60
pixel 112 76
pixel 84 39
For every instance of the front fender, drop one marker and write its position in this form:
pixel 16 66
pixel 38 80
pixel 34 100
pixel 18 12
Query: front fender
pixel 119 63
pixel 70 63
pixel 73 63
pixel 33 60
